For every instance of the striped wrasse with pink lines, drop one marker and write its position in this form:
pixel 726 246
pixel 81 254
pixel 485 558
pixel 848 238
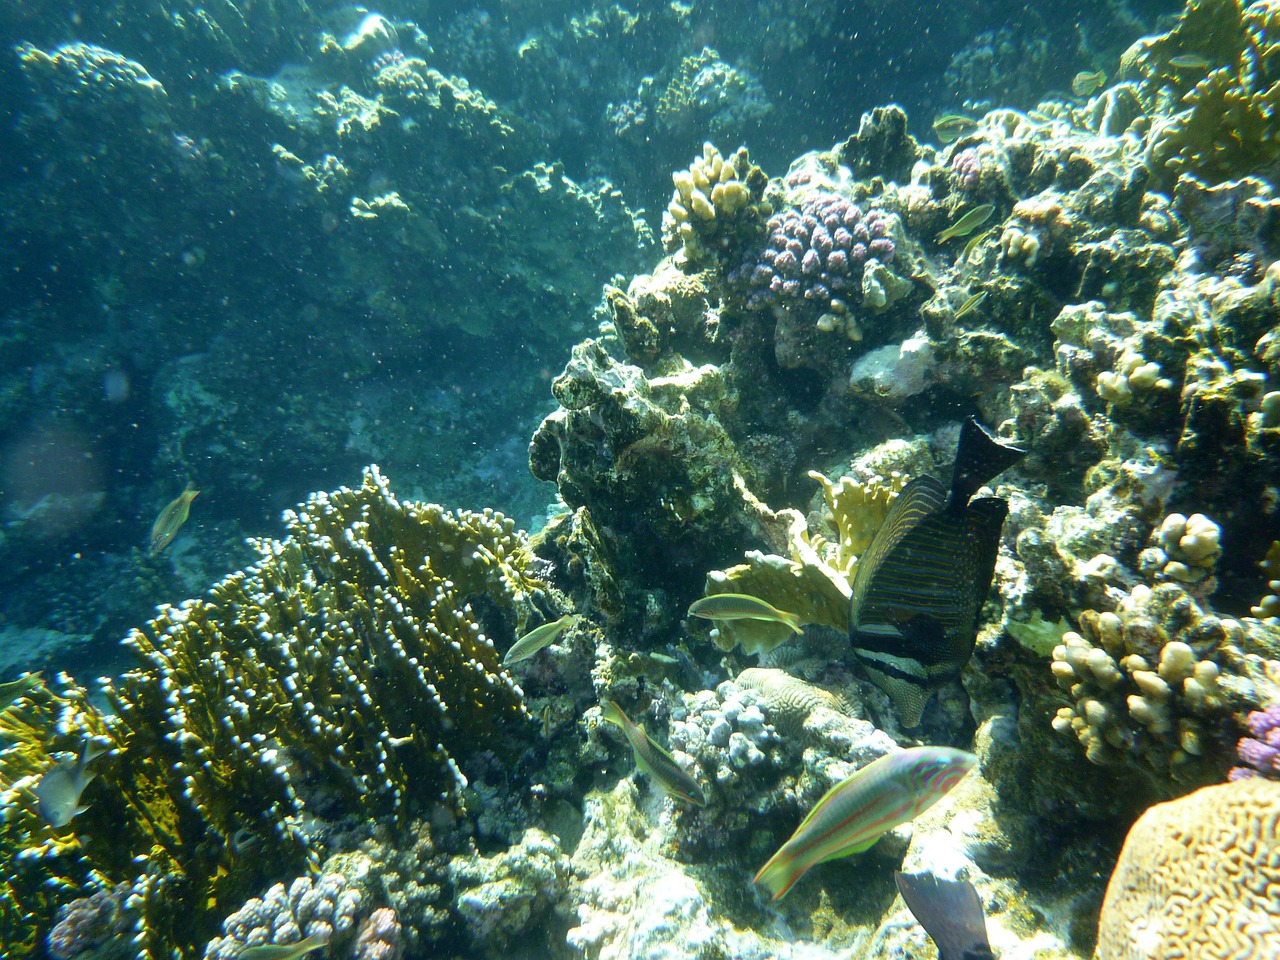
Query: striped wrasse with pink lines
pixel 857 812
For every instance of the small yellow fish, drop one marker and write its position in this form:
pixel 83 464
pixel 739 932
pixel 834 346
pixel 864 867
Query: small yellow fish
pixel 172 518
pixel 1189 61
pixel 952 126
pixel 973 243
pixel 1086 82
pixel 536 639
pixel 285 951
pixel 16 689
pixel 661 767
pixel 971 304
pixel 741 606
pixel 970 222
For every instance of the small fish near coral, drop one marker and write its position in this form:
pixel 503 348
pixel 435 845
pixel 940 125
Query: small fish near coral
pixel 171 519
pixel 970 222
pixel 952 126
pixel 856 812
pixel 920 585
pixel 661 767
pixel 950 912
pixel 58 792
pixel 741 606
pixel 285 951
pixel 537 638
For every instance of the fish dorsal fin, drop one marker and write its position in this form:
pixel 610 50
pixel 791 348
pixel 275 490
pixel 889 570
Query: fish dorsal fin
pixel 986 520
pixel 980 457
pixel 919 499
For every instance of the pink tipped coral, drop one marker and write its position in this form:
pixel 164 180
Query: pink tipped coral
pixel 1260 751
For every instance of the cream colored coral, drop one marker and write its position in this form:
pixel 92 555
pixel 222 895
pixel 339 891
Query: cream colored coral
pixel 709 187
pixel 1198 878
pixel 1184 549
pixel 1133 374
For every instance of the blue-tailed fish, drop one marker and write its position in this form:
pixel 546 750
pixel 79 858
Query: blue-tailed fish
pixel 59 789
pixel 285 951
pixel 536 639
pixel 670 777
pixel 857 812
pixel 970 222
pixel 741 606
pixel 951 914
pixel 172 518
pixel 919 587
pixel 15 689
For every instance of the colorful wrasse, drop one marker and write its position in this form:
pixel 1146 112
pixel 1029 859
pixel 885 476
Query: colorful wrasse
pixel 857 812
pixel 951 126
pixel 741 606
pixel 971 304
pixel 172 518
pixel 285 951
pixel 970 222
pixel 1086 82
pixel 919 587
pixel 670 777
pixel 536 639
pixel 951 914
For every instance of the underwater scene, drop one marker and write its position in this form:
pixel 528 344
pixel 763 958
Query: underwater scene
pixel 639 480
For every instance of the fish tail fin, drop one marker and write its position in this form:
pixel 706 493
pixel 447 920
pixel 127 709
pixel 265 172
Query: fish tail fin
pixel 950 912
pixel 792 620
pixel 611 712
pixel 780 874
pixel 980 457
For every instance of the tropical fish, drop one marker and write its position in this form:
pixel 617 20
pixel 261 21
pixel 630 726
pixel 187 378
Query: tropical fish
pixel 15 689
pixel 970 222
pixel 285 951
pixel 741 606
pixel 1086 82
pixel 652 759
pixel 972 245
pixel 1189 61
pixel 952 126
pixel 857 812
pixel 951 914
pixel 971 304
pixel 919 587
pixel 58 792
pixel 172 518
pixel 537 638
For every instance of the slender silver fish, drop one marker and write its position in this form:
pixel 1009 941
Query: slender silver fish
pixel 537 638
pixel 59 789
pixel 742 606
pixel 285 951
pixel 970 222
pixel 670 777
pixel 857 812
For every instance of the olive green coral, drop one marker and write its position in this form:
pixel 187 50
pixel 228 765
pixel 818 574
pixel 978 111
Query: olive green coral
pixel 347 671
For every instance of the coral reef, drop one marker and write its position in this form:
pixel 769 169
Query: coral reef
pixel 324 907
pixel 1193 877
pixel 1260 751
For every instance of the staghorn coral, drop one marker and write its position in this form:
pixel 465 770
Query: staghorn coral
pixel 1197 878
pixel 346 671
pixel 283 915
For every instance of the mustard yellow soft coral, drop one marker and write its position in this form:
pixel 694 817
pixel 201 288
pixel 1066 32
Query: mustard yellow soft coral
pixel 348 672
pixel 814 581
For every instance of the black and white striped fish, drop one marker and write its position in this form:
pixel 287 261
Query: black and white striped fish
pixel 919 587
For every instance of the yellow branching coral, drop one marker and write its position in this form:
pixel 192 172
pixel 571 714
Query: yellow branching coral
pixel 347 671
pixel 717 207
pixel 814 583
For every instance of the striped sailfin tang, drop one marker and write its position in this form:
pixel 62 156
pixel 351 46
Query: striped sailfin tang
pixel 661 767
pixel 856 812
pixel 919 499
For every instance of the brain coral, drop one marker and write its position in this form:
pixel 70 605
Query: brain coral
pixel 1199 877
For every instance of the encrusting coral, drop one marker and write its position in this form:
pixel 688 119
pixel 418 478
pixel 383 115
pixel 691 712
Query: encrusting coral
pixel 349 670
